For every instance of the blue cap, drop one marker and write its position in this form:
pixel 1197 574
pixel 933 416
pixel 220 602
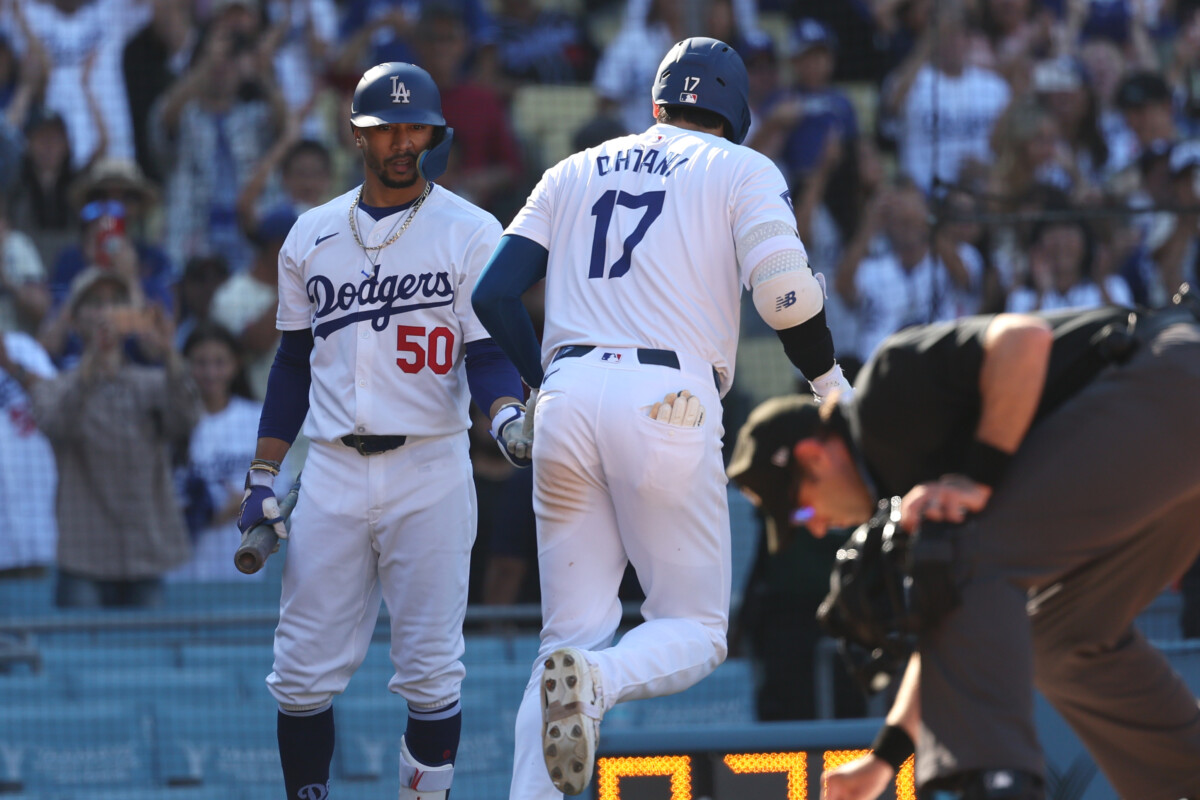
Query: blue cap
pixel 274 227
pixel 810 33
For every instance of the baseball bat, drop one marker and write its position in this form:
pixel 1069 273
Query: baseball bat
pixel 260 541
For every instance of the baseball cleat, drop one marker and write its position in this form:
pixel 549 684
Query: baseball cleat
pixel 571 713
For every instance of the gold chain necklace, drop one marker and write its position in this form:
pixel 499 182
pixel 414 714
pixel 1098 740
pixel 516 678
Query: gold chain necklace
pixel 408 220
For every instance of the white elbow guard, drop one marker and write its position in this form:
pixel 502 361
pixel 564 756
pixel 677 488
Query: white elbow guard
pixel 785 291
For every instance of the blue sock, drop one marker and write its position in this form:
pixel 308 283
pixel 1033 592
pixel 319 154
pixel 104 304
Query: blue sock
pixel 432 736
pixel 305 750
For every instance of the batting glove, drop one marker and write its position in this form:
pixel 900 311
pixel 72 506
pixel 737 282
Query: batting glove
pixel 832 382
pixel 679 408
pixel 512 428
pixel 259 504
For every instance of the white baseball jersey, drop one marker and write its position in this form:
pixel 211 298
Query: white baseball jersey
pixel 951 117
pixel 641 232
pixel 389 340
pixel 28 477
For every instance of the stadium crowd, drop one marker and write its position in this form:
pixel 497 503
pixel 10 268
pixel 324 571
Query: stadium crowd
pixel 945 157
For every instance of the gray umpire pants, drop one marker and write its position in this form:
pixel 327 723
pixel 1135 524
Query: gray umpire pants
pixel 1099 512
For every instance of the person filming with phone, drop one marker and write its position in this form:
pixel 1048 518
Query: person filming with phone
pixel 111 423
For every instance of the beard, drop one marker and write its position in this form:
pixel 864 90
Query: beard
pixel 380 168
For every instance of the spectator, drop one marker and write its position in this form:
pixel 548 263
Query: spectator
pixel 209 131
pixel 221 446
pixel 115 199
pixel 799 122
pixel 1163 180
pixel 486 160
pixel 27 475
pixel 1062 88
pixel 22 83
pixel 201 278
pixel 1028 150
pixel 944 107
pixel 627 64
pixel 539 45
pixel 40 204
pixel 156 57
pixel 1168 237
pixel 1183 68
pixel 304 168
pixel 1145 102
pixel 906 283
pixel 377 31
pixel 112 425
pixel 1012 33
pixel 308 31
pixel 24 291
pixel 1061 262
pixel 86 85
pixel 245 304
pixel 899 25
pixel 762 68
pixel 1104 66
pixel 819 231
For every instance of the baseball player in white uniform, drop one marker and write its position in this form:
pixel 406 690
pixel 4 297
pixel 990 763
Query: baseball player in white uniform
pixel 645 243
pixel 382 352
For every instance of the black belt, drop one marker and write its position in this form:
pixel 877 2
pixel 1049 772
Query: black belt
pixel 645 355
pixel 370 445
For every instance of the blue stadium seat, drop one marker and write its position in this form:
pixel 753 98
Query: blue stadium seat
pixel 249 662
pixel 368 738
pixel 487 648
pixel 725 696
pixel 65 657
pixel 53 746
pixel 1160 620
pixel 225 745
pixel 196 685
pixel 27 597
pixel 159 793
pixel 22 688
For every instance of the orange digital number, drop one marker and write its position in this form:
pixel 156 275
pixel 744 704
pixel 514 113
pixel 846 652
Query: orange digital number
pixel 609 772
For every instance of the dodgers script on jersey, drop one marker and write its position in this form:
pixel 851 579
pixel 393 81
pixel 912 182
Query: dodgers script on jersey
pixel 389 339
pixel 615 278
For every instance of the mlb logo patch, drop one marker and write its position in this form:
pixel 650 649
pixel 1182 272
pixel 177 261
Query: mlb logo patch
pixel 688 97
pixel 615 357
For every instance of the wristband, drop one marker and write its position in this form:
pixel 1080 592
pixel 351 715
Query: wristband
pixel 893 745
pixel 265 465
pixel 986 464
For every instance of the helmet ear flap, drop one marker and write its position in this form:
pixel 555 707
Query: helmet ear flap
pixel 431 163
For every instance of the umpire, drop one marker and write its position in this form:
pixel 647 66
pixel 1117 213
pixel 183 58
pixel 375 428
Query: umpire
pixel 1062 448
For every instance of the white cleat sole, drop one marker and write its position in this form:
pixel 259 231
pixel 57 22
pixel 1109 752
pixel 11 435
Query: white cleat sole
pixel 571 711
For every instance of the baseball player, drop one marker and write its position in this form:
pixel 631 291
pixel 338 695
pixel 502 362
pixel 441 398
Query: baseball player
pixel 1056 453
pixel 645 242
pixel 379 349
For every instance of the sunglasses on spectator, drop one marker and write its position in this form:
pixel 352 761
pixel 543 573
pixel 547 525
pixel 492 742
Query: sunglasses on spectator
pixel 101 208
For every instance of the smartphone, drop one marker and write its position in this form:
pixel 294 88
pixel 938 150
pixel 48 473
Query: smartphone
pixel 108 237
pixel 127 320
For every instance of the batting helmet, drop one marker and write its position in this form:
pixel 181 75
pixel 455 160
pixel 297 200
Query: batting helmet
pixel 709 74
pixel 397 93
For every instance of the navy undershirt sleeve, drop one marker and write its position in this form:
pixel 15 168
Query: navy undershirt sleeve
pixel 286 403
pixel 490 375
pixel 517 264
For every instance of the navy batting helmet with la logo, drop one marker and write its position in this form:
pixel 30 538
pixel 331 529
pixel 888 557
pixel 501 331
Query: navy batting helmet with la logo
pixel 397 93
